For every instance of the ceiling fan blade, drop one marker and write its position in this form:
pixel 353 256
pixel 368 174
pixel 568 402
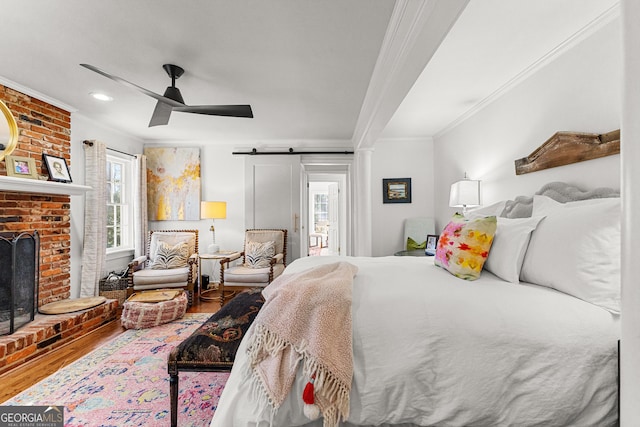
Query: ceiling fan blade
pixel 218 110
pixel 161 114
pixel 172 99
pixel 120 80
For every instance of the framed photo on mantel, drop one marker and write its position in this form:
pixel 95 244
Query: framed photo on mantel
pixel 396 190
pixel 21 167
pixel 57 168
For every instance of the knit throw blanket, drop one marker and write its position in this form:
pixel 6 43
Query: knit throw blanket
pixel 306 317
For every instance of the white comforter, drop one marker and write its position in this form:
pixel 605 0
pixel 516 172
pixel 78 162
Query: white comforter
pixel 433 350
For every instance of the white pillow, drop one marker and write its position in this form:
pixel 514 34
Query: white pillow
pixel 544 204
pixel 491 210
pixel 509 246
pixel 576 250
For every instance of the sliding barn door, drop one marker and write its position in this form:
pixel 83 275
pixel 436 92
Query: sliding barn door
pixel 273 196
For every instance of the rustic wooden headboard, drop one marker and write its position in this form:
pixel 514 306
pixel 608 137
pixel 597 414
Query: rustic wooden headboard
pixel 565 148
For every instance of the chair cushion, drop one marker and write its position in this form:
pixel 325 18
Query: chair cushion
pixel 242 274
pixel 246 274
pixel 412 245
pixel 148 276
pixel 259 254
pixel 169 257
pixel 164 285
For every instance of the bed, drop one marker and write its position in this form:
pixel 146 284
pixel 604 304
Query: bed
pixel 534 345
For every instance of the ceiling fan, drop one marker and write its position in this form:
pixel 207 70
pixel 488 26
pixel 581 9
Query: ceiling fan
pixel 172 99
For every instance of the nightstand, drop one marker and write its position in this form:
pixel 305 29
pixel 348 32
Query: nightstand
pixel 417 252
pixel 230 255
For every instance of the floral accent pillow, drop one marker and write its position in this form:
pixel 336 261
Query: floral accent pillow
pixel 168 256
pixel 464 245
pixel 259 254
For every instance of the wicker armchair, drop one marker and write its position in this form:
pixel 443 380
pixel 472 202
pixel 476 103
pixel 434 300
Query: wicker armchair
pixel 251 273
pixel 170 261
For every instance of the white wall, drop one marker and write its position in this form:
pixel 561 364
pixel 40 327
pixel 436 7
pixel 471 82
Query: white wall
pixel 578 91
pixel 400 159
pixel 84 129
pixel 222 179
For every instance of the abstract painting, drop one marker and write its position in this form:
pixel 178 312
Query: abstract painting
pixel 173 183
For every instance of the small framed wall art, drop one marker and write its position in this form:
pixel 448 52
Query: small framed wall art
pixel 21 167
pixel 396 190
pixel 57 168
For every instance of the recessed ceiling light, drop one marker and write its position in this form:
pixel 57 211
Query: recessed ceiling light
pixel 101 96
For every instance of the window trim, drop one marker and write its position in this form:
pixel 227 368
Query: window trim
pixel 128 190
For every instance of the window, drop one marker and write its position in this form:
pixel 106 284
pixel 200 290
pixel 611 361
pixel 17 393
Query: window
pixel 119 204
pixel 320 207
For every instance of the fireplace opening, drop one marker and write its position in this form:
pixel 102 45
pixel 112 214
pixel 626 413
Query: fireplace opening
pixel 19 278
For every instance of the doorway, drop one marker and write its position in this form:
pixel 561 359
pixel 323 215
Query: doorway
pixel 326 208
pixel 319 208
pixel 277 196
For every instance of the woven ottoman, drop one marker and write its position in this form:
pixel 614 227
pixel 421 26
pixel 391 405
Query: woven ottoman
pixel 140 315
pixel 212 347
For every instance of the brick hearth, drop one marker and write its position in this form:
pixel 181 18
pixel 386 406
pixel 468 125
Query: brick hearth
pixel 44 128
pixel 48 332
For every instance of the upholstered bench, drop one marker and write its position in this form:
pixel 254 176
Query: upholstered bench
pixel 141 314
pixel 212 347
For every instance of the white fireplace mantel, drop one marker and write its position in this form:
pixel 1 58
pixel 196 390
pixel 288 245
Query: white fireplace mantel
pixel 24 185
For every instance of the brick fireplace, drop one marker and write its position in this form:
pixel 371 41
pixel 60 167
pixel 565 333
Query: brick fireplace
pixel 43 128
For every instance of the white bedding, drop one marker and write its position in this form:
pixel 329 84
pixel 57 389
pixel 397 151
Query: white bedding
pixel 431 349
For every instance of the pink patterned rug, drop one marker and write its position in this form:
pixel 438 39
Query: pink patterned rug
pixel 125 382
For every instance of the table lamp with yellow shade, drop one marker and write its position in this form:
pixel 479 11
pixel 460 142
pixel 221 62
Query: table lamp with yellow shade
pixel 213 210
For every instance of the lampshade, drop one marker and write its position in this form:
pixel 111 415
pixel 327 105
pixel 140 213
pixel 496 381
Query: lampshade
pixel 465 193
pixel 213 210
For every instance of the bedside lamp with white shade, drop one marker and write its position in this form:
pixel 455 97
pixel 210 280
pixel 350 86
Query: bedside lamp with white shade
pixel 465 194
pixel 213 211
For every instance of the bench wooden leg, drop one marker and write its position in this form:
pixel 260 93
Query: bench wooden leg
pixel 173 393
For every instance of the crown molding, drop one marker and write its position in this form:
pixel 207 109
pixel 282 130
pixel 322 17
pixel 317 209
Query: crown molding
pixel 35 94
pixel 392 140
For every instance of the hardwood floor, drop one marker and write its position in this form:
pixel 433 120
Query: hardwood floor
pixel 28 374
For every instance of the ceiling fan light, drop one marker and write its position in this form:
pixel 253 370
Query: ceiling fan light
pixel 101 96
